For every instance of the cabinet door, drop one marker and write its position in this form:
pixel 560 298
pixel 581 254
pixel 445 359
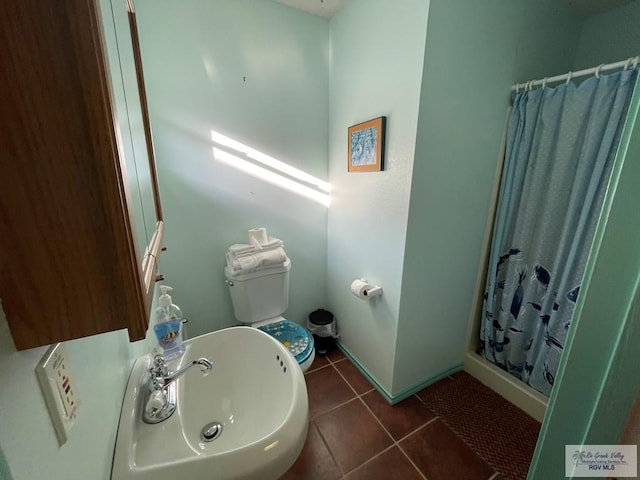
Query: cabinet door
pixel 129 130
pixel 68 262
pixel 134 129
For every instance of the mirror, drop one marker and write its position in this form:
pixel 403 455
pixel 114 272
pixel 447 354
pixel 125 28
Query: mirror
pixel 135 140
pixel 120 35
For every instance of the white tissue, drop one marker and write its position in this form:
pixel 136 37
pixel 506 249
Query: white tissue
pixel 258 236
pixel 359 287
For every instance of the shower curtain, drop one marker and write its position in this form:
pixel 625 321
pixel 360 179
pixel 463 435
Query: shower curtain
pixel 561 143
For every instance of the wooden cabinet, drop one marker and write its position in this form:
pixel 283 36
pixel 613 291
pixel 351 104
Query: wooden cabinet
pixel 70 263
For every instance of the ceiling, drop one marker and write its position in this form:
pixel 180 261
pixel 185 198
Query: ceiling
pixel 328 8
pixel 593 7
pixel 322 8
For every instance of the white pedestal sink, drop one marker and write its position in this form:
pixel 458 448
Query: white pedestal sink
pixel 256 391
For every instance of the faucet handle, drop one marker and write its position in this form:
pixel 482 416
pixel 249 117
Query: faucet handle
pixel 158 360
pixel 159 365
pixel 156 403
pixel 157 353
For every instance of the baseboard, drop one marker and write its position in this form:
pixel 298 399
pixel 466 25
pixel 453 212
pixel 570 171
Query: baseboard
pixel 393 399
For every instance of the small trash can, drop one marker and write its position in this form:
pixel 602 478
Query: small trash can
pixel 322 325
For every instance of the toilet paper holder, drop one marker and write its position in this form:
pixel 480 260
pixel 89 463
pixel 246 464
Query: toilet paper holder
pixel 374 291
pixel 365 290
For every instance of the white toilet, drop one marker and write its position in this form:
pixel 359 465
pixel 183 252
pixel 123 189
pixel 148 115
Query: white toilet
pixel 260 298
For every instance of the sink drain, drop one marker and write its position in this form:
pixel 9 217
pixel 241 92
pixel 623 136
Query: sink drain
pixel 211 431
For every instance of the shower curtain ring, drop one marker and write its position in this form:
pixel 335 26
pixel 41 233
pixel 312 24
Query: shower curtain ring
pixel 544 83
pixel 635 62
pixel 569 78
pixel 598 70
pixel 628 63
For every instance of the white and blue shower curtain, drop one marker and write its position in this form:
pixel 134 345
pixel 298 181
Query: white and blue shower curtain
pixel 561 143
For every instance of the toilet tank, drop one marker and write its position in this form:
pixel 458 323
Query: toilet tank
pixel 260 295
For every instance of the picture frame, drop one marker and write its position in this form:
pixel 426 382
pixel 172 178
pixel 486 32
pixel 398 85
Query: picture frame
pixel 366 145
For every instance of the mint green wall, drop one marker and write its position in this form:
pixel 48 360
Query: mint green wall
pixel 468 73
pixel 377 49
pixel 255 71
pixel 597 380
pixel 5 472
pixel 101 364
pixel 622 384
pixel 610 36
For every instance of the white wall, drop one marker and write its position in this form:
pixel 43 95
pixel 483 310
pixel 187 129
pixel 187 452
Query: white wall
pixel 377 49
pixel 255 71
pixel 101 364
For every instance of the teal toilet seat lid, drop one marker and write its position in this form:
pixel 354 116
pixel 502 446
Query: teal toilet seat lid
pixel 295 338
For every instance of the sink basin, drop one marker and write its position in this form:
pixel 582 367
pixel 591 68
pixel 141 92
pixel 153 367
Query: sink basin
pixel 256 392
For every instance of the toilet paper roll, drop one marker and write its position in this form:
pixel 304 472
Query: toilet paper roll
pixel 258 235
pixel 359 289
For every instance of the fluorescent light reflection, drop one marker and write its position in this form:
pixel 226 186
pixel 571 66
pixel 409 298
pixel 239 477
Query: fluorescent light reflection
pixel 270 161
pixel 271 177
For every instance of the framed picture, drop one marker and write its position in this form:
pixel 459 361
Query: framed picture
pixel 366 146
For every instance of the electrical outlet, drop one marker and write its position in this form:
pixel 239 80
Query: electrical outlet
pixel 59 389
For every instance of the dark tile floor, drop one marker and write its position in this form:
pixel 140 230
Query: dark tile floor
pixel 456 429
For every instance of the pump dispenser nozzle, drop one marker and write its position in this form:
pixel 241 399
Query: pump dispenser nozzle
pixel 165 298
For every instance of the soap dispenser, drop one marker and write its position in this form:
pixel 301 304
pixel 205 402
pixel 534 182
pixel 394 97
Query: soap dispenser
pixel 168 327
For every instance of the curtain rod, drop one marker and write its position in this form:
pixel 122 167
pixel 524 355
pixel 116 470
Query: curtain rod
pixel 623 64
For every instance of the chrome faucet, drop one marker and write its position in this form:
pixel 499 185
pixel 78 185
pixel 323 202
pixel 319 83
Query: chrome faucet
pixel 162 396
pixel 161 378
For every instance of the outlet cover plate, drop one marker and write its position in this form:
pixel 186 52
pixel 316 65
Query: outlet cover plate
pixel 58 386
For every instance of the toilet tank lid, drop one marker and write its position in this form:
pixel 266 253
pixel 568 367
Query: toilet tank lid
pixel 240 277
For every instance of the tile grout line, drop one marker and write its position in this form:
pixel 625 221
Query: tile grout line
pixel 337 361
pixel 411 462
pixel 329 363
pixel 395 443
pixel 472 448
pixel 317 369
pixel 369 460
pixel 341 404
pixel 419 428
pixel 358 395
pixel 319 414
pixel 326 446
pixel 406 454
